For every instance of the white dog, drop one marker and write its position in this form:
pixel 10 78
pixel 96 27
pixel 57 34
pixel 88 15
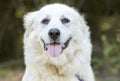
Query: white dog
pixel 57 45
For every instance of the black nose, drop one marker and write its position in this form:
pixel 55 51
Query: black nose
pixel 54 33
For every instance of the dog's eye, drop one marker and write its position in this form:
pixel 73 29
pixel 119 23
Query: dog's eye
pixel 65 20
pixel 45 21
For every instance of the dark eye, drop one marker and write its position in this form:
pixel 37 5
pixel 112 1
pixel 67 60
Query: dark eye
pixel 65 20
pixel 45 21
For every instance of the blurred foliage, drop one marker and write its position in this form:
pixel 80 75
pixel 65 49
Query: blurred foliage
pixel 109 60
pixel 103 17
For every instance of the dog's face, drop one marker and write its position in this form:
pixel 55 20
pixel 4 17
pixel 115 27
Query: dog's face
pixel 55 28
pixel 56 32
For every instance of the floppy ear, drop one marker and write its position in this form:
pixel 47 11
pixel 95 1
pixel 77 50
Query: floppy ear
pixel 29 19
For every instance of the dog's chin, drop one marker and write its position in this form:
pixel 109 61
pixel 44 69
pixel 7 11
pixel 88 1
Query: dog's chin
pixel 54 49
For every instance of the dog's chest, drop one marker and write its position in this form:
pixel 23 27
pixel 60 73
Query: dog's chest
pixel 50 73
pixel 51 78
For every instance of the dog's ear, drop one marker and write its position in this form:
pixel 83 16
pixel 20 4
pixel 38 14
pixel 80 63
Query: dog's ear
pixel 28 19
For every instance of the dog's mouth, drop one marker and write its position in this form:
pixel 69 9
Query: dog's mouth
pixel 56 48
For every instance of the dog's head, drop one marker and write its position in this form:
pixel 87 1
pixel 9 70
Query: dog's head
pixel 54 28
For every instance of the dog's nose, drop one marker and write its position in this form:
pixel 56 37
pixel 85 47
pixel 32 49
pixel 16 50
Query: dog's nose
pixel 54 33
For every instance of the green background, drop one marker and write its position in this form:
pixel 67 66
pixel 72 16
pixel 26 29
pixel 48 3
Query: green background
pixel 103 17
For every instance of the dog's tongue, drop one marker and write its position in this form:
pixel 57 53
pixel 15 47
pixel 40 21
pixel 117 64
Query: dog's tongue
pixel 54 49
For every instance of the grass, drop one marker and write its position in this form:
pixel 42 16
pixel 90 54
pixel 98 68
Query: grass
pixel 16 75
pixel 11 71
pixel 10 75
pixel 14 72
pixel 108 78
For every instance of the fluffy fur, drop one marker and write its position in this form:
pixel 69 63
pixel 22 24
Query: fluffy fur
pixel 75 59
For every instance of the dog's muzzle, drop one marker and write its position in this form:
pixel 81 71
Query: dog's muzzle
pixel 56 48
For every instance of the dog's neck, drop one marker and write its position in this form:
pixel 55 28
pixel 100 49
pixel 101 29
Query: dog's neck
pixel 56 71
pixel 59 70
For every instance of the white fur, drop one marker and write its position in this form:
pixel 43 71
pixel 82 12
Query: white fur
pixel 75 59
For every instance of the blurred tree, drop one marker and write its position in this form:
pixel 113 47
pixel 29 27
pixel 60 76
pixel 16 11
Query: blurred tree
pixel 103 17
pixel 10 30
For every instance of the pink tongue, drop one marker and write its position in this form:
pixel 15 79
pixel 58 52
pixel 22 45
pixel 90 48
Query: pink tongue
pixel 54 49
